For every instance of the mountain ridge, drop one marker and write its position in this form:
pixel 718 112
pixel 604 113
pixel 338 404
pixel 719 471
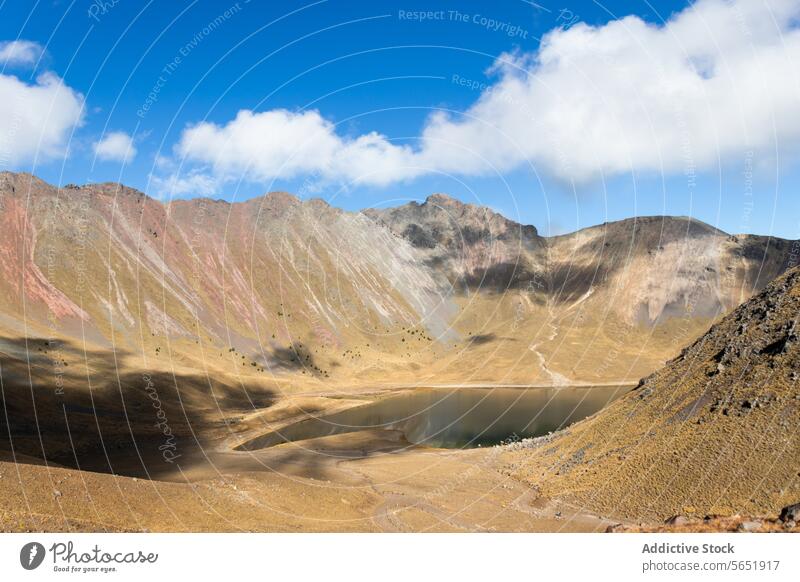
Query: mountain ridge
pixel 435 197
pixel 273 273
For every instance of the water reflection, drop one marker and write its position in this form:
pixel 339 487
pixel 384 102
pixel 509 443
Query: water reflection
pixel 457 417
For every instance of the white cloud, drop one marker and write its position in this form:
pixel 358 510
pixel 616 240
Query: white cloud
pixel 116 146
pixel 175 185
pixel 20 52
pixel 36 118
pixel 718 79
pixel 283 144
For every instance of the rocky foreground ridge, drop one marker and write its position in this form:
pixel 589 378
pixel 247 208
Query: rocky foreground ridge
pixel 714 432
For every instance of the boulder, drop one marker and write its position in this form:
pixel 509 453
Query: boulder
pixel 790 512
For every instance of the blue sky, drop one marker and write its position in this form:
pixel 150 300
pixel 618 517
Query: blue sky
pixel 371 77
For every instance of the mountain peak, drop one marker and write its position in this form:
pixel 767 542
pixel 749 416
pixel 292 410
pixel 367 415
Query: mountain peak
pixel 24 181
pixel 281 200
pixel 442 199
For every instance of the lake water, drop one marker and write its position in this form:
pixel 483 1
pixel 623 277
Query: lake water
pixel 457 417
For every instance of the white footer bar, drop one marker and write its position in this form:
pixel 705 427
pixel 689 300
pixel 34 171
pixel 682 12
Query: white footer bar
pixel 401 557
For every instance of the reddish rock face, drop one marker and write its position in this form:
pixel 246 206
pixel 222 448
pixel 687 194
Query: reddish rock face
pixel 266 271
pixel 22 276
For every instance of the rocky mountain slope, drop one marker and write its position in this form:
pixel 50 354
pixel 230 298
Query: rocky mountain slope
pixel 712 432
pixel 657 267
pixel 435 292
pixel 611 302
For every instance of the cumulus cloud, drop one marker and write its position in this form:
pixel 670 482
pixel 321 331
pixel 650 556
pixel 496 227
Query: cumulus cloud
pixel 193 183
pixel 717 80
pixel 20 52
pixel 284 144
pixel 36 119
pixel 116 146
